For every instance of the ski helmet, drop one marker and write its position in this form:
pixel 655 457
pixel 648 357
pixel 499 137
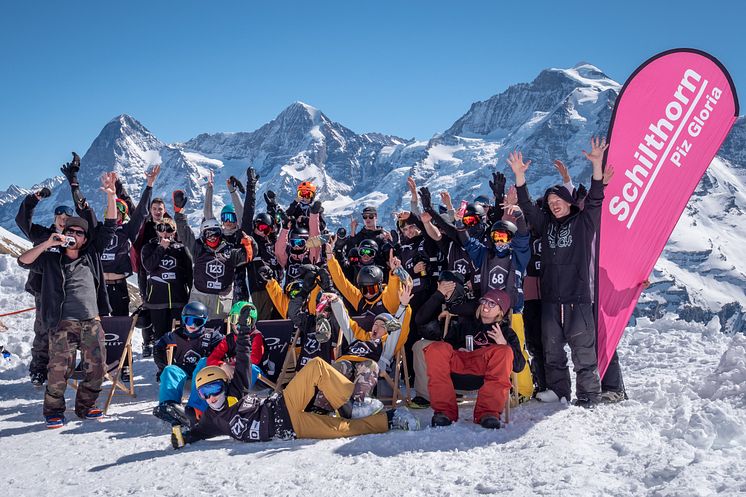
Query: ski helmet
pixel 368 276
pixel 368 248
pixel 209 374
pixel 307 190
pixel 294 288
pixel 194 314
pixel 263 219
pixel 209 228
pixel 298 239
pixel 505 227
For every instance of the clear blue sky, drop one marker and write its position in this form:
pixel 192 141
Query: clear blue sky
pixel 408 68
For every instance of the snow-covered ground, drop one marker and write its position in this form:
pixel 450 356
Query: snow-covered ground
pixel 682 433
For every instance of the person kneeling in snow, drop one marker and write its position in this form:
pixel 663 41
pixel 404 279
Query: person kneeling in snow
pixel 364 354
pixel 496 352
pixel 191 344
pixel 282 415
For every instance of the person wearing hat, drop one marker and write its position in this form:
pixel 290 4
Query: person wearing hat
pixel 567 238
pixel 36 234
pixel 72 299
pixel 496 352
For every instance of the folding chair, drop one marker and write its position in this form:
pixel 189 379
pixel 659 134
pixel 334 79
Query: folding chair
pixel 118 335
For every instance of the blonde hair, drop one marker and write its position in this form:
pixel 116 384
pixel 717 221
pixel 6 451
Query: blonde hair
pixel 497 320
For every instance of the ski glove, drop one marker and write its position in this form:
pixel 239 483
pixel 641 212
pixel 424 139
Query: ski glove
pixel 316 208
pixel 44 192
pixel 180 200
pixel 70 170
pixel 427 202
pixel 497 185
pixel 265 274
pixel 236 184
pixel 252 179
pixel 271 199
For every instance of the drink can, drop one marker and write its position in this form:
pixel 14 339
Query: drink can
pixel 470 343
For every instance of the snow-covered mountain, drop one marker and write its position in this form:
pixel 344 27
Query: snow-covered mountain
pixel 552 117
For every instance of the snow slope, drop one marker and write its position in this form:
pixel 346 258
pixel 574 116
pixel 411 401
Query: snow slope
pixel 682 433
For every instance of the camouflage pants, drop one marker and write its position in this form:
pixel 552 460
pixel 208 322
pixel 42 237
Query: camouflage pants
pixel 64 342
pixel 363 375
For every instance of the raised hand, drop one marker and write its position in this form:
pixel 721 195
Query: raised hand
pixel 152 174
pixel 513 210
pixel 445 198
pixel 394 261
pixel 252 178
pixel 179 199
pixel 608 174
pixel 405 294
pixel 497 185
pixel 562 170
pixel 496 334
pixel 598 147
pixel 412 187
pixel 427 202
pixel 316 207
pixel 271 198
pixel 70 170
pixel 353 224
pixel 108 183
pixel 43 193
pixel 511 198
pixel 515 161
pixel 425 217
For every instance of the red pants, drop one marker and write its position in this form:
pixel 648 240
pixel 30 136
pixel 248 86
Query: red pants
pixel 493 362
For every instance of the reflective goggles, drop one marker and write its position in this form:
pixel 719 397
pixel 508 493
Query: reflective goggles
pixel 500 236
pixel 196 321
pixel 211 389
pixel 371 289
pixel 470 220
pixel 63 209
pixel 228 217
pixel 369 252
pixel 264 228
pixel 297 243
pixel 164 228
pixel 211 233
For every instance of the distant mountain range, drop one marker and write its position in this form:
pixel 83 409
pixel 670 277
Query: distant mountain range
pixel 700 274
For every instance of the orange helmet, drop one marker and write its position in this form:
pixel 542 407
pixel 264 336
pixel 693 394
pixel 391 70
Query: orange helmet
pixel 306 190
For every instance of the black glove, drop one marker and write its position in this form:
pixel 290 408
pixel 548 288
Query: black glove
pixel 252 179
pixel 44 192
pixel 180 200
pixel 580 192
pixel 497 185
pixel 70 170
pixel 265 274
pixel 325 280
pixel 316 207
pixel 427 202
pixel 283 219
pixel 271 199
pixel 236 184
pixel 310 272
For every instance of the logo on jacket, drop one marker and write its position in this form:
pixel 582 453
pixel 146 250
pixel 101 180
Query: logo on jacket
pixel 498 277
pixel 460 266
pixel 215 268
pixel 360 349
pixel 561 238
pixel 238 426
pixel 168 262
pixel 192 357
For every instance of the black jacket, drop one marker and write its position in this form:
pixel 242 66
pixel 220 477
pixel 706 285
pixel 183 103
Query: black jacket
pixel 169 273
pixel 187 351
pixel 567 244
pixel 52 288
pixel 247 419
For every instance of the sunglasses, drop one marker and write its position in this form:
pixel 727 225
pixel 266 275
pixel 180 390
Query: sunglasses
pixel 307 194
pixel 369 216
pixel 470 220
pixel 298 243
pixel 73 232
pixel 264 228
pixel 63 209
pixel 197 321
pixel 489 304
pixel 500 237
pixel 211 389
pixel 228 217
pixel 164 228
pixel 370 289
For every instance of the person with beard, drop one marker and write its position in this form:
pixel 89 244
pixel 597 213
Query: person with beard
pixel 73 297
pixel 38 234
pixel 215 261
pixel 263 230
pixel 364 354
pixel 496 352
pixel 169 278
pixel 566 282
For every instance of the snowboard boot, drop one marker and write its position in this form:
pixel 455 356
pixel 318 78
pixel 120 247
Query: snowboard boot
pixel 402 419
pixel 38 378
pixel 490 422
pixel 440 419
pixel 147 350
pixel 366 407
pixel 172 413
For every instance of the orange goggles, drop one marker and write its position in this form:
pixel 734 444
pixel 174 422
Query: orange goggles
pixel 470 220
pixel 500 237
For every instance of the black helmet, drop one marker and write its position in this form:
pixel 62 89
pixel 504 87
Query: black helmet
pixel 507 226
pixel 263 218
pixel 369 275
pixel 194 314
pixel 368 246
pixel 341 233
pixel 297 239
pixel 474 210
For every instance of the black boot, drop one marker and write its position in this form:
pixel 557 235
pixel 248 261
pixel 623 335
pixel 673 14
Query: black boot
pixel 440 419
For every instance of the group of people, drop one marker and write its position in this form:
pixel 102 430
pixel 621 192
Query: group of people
pixel 484 297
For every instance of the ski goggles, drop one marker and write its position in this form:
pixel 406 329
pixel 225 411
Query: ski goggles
pixel 196 321
pixel 228 217
pixel 489 304
pixel 211 233
pixel 306 194
pixel 297 243
pixel 371 289
pixel 211 389
pixel 470 220
pixel 164 228
pixel 369 216
pixel 74 232
pixel 368 252
pixel 63 209
pixel 264 228
pixel 500 236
